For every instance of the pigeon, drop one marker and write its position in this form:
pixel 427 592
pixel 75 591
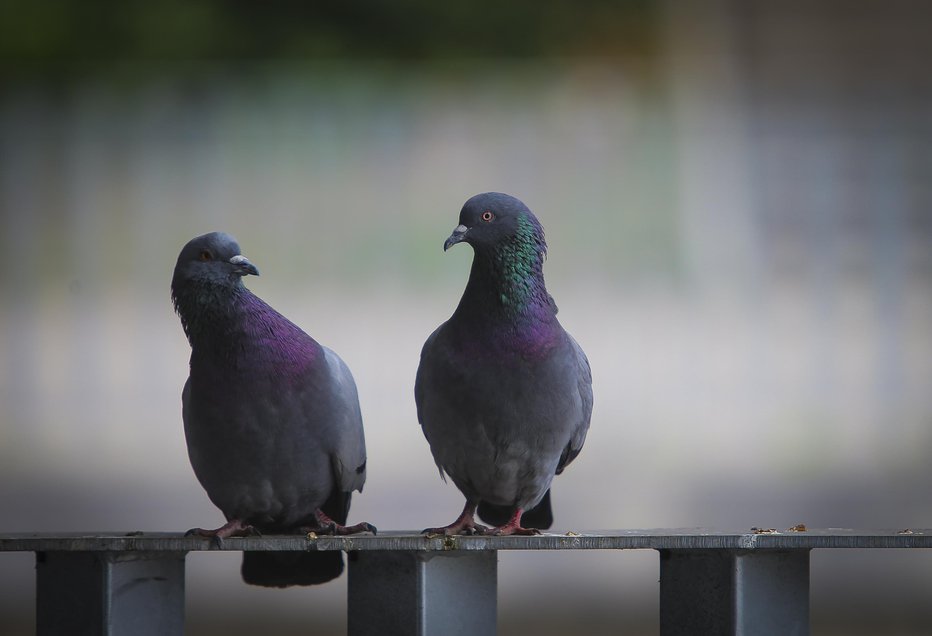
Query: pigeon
pixel 503 392
pixel 271 417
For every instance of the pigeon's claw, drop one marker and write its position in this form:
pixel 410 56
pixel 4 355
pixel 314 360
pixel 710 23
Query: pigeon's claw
pixel 362 526
pixel 508 529
pixel 464 524
pixel 232 528
pixel 326 525
pixel 512 527
pixel 329 527
pixel 455 529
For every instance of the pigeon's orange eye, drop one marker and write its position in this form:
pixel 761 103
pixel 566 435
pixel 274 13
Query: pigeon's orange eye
pixel 487 216
pixel 205 255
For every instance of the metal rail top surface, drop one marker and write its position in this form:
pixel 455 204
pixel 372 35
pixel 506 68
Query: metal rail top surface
pixel 657 539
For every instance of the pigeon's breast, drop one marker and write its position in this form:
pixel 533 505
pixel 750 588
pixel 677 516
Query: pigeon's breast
pixel 498 419
pixel 510 345
pixel 255 453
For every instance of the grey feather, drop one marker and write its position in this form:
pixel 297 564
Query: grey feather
pixel 271 418
pixel 503 392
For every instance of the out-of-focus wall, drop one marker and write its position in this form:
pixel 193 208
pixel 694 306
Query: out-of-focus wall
pixel 739 238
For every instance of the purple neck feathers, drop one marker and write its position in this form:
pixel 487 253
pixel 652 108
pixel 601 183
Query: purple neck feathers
pixel 488 320
pixel 239 326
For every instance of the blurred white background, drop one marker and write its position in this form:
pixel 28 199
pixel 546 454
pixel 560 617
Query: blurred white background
pixel 739 230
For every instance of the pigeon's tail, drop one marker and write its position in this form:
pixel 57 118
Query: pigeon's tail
pixel 540 516
pixel 282 569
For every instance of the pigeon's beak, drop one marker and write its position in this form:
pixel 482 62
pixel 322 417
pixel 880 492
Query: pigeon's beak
pixel 458 236
pixel 242 266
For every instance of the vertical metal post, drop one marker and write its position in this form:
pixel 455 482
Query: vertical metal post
pixel 110 593
pixel 736 592
pixel 422 593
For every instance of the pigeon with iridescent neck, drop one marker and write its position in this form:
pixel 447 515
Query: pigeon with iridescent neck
pixel 503 392
pixel 271 417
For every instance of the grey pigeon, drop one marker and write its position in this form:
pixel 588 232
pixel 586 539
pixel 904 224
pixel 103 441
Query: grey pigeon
pixel 503 392
pixel 271 417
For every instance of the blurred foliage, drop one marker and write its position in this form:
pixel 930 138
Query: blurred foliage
pixel 62 37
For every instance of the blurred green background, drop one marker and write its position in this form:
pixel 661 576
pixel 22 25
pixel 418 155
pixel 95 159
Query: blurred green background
pixel 737 200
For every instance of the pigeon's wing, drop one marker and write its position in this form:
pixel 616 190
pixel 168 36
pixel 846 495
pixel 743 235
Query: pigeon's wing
pixel 185 399
pixel 337 433
pixel 585 394
pixel 423 369
pixel 349 447
pixel 428 397
pixel 194 450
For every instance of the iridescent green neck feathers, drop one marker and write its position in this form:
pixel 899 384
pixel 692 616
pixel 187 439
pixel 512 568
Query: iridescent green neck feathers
pixel 519 265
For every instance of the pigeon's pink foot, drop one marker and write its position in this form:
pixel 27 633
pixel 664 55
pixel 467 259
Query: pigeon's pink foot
pixel 512 527
pixel 232 528
pixel 464 524
pixel 326 525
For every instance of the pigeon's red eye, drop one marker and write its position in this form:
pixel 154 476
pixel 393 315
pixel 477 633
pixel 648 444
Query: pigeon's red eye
pixel 205 255
pixel 487 216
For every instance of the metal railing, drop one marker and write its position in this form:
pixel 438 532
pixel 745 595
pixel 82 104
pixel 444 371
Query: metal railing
pixel 711 582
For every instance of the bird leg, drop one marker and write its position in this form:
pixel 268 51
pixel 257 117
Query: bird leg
pixel 512 527
pixel 326 525
pixel 232 528
pixel 464 524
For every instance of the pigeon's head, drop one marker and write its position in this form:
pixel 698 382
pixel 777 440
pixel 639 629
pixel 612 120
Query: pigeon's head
pixel 211 261
pixel 492 220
